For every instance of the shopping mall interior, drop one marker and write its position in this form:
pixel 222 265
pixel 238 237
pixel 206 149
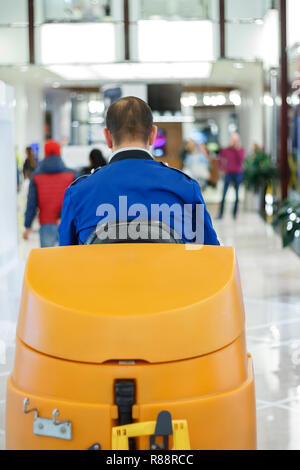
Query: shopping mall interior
pixel 222 78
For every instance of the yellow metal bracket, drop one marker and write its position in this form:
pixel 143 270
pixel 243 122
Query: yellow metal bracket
pixel 121 434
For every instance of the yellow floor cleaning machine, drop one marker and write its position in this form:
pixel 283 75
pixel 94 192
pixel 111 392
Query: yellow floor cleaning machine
pixel 131 346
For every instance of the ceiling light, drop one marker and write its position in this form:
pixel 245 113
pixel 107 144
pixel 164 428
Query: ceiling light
pixel 268 100
pixel 238 65
pixel 214 100
pixel 235 98
pixel 295 100
pixel 189 100
pixel 221 100
pixel 206 100
pixel 96 107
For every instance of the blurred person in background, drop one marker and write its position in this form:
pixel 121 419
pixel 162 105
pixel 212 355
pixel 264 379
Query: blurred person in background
pixel 196 163
pixel 96 161
pixel 46 192
pixel 183 153
pixel 231 162
pixel 29 164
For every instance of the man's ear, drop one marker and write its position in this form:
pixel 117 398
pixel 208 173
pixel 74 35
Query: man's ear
pixel 153 135
pixel 108 138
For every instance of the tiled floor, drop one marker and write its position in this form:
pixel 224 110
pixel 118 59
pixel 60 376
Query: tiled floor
pixel 271 285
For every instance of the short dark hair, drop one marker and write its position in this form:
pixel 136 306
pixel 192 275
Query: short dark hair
pixel 129 117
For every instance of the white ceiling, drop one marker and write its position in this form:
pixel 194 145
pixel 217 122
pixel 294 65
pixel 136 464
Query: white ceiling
pixel 224 73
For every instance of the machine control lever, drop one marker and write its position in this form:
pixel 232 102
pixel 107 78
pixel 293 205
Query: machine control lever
pixel 164 429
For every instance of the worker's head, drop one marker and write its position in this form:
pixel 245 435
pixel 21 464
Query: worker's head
pixel 129 123
pixel 235 140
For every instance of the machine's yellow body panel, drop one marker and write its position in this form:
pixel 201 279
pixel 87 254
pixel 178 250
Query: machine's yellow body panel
pixel 169 317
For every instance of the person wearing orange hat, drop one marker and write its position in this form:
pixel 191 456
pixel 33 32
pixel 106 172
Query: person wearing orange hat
pixel 46 193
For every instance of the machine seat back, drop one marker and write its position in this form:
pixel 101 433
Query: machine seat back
pixel 134 231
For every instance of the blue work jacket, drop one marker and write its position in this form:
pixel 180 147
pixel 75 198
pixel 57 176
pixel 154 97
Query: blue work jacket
pixel 135 180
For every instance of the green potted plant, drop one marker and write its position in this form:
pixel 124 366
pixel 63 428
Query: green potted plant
pixel 259 173
pixel 288 219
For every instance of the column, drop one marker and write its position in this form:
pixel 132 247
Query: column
pixel 8 182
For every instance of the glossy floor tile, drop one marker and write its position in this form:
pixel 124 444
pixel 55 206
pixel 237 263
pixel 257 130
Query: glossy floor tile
pixel 271 286
pixel 278 428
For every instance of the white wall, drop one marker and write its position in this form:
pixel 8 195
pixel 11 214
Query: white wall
pixel 8 182
pixel 77 156
pixel 29 117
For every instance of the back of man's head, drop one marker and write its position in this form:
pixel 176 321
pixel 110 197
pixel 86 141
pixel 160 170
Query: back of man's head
pixel 129 119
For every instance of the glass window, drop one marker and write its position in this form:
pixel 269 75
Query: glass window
pixel 82 10
pixel 254 9
pixel 258 39
pixel 64 33
pixel 13 32
pixel 13 12
pixel 175 9
pixel 173 30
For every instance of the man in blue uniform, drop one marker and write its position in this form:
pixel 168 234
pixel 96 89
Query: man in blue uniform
pixel 133 185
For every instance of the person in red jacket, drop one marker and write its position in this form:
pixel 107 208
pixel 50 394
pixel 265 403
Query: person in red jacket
pixel 46 193
pixel 231 160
